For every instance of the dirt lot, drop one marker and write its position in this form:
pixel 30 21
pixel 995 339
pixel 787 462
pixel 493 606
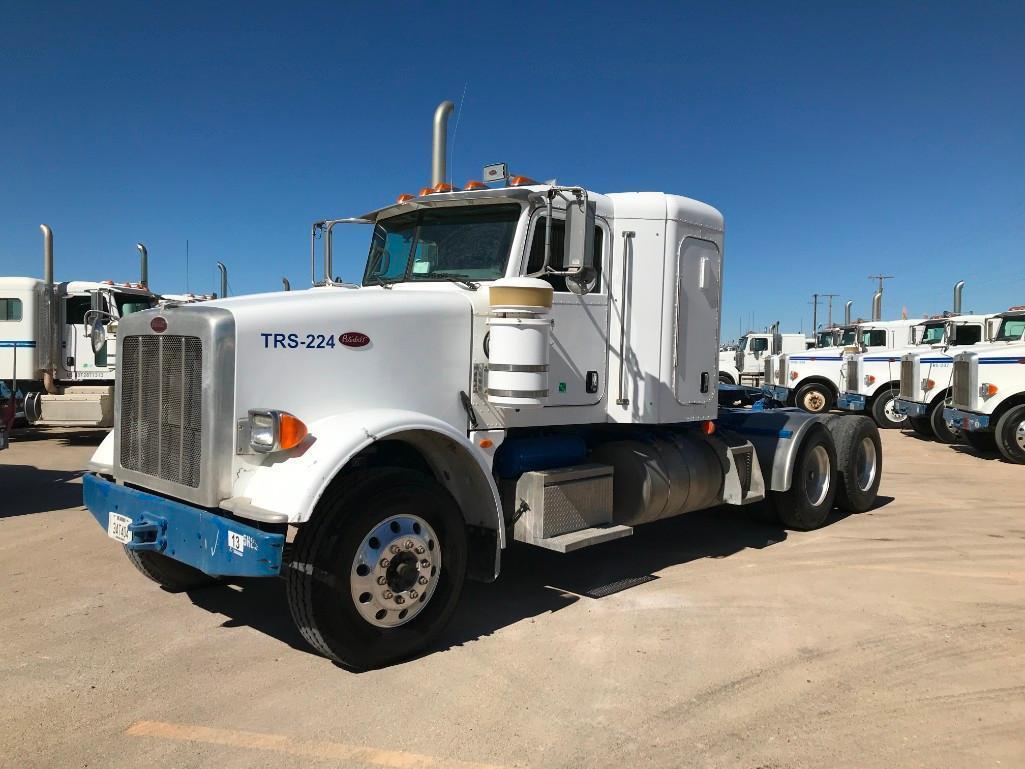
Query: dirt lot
pixel 892 638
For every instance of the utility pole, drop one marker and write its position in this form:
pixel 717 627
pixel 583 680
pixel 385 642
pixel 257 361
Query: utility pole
pixel 815 312
pixel 880 278
pixel 830 298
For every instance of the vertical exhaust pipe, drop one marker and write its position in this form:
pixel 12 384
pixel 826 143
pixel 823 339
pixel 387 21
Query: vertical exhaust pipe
pixel 224 279
pixel 143 265
pixel 958 291
pixel 877 305
pixel 439 149
pixel 50 332
pixel 847 312
pixel 285 284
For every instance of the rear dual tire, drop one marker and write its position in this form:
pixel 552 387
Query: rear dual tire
pixel 806 505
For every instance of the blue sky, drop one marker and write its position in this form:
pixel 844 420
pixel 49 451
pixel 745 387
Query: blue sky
pixel 838 141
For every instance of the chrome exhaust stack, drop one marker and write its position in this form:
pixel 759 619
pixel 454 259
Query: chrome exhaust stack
pixel 49 330
pixel 285 285
pixel 224 279
pixel 958 291
pixel 143 265
pixel 877 305
pixel 847 312
pixel 439 148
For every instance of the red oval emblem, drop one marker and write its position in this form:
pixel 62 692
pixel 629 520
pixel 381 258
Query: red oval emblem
pixel 158 324
pixel 354 339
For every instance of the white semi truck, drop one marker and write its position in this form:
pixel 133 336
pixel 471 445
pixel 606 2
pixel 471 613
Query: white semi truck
pixel 746 364
pixel 987 394
pixel 872 380
pixel 530 362
pixel 813 380
pixel 58 342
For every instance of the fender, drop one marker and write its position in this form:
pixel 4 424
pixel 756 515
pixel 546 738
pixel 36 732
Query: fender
pixel 291 484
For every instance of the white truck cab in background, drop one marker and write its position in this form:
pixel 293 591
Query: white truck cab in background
pixel 746 365
pixel 987 393
pixel 813 380
pixel 872 380
pixel 58 343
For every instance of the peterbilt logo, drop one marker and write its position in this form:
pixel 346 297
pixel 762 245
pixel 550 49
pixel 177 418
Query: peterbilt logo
pixel 354 339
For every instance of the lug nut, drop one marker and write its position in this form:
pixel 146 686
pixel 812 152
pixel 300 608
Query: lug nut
pixel 420 550
pixel 413 594
pixel 381 580
pixel 422 580
pixel 425 563
pixel 399 599
pixel 384 563
pixel 409 544
pixel 387 594
pixel 394 549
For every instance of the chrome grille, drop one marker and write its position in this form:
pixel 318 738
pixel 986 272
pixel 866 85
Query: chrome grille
pixel 781 370
pixel 961 382
pixel 768 370
pixel 907 379
pixel 161 420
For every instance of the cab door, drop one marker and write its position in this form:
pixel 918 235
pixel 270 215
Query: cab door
pixel 578 358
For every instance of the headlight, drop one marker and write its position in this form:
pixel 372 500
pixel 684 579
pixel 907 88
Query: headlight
pixel 988 390
pixel 271 430
pixel 869 379
pixel 928 384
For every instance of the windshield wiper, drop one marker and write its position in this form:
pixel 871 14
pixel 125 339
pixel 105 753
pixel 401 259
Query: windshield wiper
pixel 461 279
pixel 377 280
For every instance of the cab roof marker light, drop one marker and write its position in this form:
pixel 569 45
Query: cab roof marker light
pixel 474 185
pixel 405 197
pixel 521 181
pixel 444 187
pixel 425 191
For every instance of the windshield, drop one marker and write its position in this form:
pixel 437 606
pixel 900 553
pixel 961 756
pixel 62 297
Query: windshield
pixel 129 303
pixel 825 339
pixel 848 336
pixel 933 333
pixel 742 344
pixel 1011 330
pixel 471 243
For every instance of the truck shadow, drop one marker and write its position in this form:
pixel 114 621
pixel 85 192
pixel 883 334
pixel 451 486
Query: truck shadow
pixel 534 582
pixel 66 436
pixel 25 490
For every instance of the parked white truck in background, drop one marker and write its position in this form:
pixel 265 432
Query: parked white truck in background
pixel 987 400
pixel 47 336
pixel 746 364
pixel 872 380
pixel 813 380
pixel 532 362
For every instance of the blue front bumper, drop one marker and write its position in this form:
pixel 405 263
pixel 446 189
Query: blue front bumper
pixel 910 408
pixel 776 392
pixel 852 402
pixel 965 420
pixel 207 541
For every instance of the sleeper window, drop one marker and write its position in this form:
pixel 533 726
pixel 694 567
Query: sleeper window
pixel 10 309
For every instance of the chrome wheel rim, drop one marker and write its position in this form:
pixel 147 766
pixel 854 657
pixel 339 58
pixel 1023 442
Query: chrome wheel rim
pixel 395 571
pixel 866 464
pixel 891 413
pixel 817 475
pixel 1019 435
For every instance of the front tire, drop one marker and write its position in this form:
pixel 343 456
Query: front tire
pixel 170 574
pixel 1010 435
pixel 378 569
pixel 814 398
pixel 884 411
pixel 943 432
pixel 807 503
pixel 921 426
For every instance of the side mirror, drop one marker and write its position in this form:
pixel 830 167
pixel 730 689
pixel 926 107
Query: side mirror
pixel 97 334
pixel 579 249
pixel 917 334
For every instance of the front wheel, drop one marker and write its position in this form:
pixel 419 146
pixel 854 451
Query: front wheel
pixel 921 426
pixel 944 433
pixel 807 503
pixel 1010 435
pixel 377 571
pixel 814 398
pixel 884 410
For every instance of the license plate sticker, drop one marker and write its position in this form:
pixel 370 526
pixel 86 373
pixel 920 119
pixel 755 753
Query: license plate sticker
pixel 117 527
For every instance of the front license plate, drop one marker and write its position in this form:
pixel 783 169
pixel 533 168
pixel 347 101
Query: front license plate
pixel 117 528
